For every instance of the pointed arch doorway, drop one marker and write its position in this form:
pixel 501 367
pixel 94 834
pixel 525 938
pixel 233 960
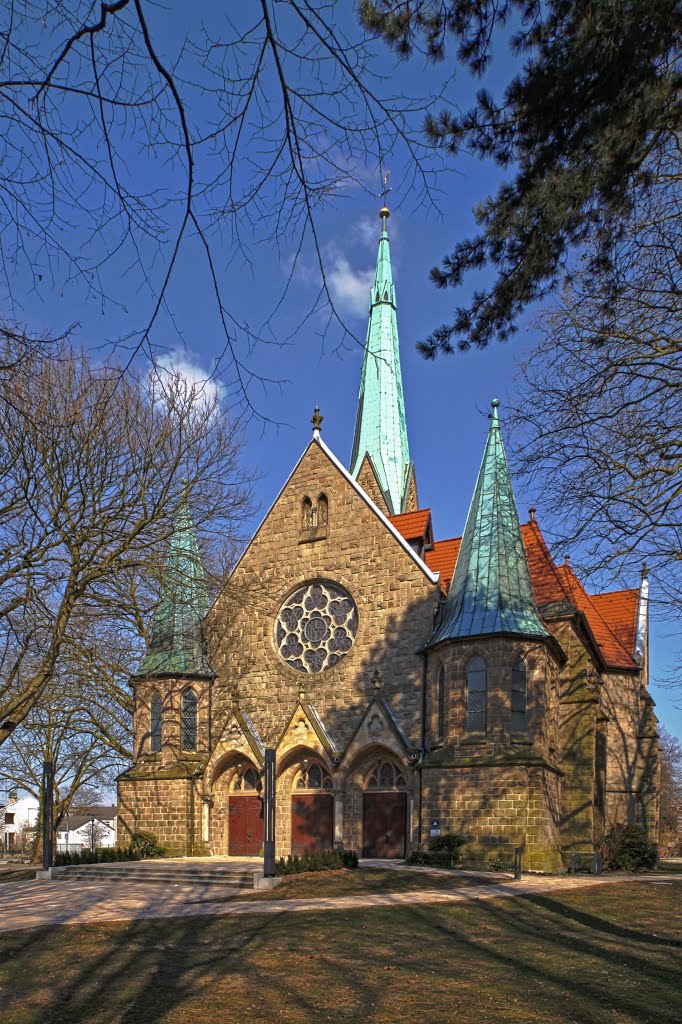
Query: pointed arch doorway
pixel 312 810
pixel 384 811
pixel 245 814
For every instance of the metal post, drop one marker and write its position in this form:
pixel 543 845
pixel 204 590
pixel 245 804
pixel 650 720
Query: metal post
pixel 517 863
pixel 48 813
pixel 269 814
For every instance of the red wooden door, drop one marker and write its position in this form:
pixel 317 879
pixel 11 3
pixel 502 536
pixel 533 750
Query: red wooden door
pixel 312 823
pixel 384 817
pixel 245 826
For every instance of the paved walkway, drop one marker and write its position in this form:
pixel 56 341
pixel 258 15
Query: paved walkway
pixel 43 904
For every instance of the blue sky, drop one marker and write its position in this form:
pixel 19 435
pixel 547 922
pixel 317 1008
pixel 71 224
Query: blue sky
pixel 447 401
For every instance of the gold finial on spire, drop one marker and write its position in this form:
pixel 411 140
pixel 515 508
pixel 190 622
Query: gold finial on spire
pixel 317 420
pixel 384 212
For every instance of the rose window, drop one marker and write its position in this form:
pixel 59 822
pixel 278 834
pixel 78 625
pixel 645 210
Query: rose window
pixel 316 627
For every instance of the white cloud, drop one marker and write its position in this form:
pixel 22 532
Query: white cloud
pixel 184 366
pixel 350 288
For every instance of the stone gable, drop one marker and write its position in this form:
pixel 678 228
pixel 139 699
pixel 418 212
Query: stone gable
pixel 396 603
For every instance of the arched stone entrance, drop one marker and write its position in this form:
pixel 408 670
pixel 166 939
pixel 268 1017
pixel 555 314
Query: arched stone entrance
pixel 312 809
pixel 384 810
pixel 245 812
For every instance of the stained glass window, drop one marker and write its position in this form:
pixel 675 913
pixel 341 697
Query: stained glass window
pixel 519 695
pixel 476 694
pixel 316 627
pixel 155 724
pixel 188 713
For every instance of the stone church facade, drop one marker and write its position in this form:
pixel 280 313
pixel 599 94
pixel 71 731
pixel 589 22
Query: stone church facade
pixel 408 685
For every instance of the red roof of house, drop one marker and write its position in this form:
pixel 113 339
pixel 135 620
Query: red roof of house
pixel 612 618
pixel 614 653
pixel 412 525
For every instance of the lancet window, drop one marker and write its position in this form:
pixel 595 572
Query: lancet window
pixel 477 685
pixel 440 704
pixel 519 695
pixel 188 720
pixel 155 723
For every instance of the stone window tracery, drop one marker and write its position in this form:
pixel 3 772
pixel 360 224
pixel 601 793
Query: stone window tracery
pixel 245 781
pixel 155 723
pixel 316 627
pixel 477 685
pixel 188 720
pixel 385 775
pixel 313 776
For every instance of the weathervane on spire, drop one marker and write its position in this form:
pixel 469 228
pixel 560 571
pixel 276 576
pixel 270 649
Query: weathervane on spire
pixel 384 211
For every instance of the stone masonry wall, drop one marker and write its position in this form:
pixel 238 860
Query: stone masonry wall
pixel 163 807
pixel 580 715
pixel 631 751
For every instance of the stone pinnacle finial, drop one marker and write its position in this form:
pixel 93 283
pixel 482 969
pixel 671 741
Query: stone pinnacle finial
pixel 376 679
pixel 645 571
pixel 317 421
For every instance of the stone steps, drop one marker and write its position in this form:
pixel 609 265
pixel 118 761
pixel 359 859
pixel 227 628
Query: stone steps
pixel 157 872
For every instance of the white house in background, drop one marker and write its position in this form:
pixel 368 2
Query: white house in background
pixel 85 832
pixel 17 818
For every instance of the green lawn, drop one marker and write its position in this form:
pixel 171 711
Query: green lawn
pixel 608 955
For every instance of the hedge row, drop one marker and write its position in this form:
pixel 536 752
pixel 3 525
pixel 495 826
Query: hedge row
pixel 329 861
pixel 141 846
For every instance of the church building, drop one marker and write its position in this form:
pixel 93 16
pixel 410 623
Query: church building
pixel 410 686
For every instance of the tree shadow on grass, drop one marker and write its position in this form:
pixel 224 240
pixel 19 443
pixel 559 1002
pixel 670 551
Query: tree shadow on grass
pixel 522 959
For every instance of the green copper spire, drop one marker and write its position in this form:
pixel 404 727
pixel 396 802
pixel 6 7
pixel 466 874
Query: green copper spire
pixel 177 641
pixel 380 427
pixel 491 590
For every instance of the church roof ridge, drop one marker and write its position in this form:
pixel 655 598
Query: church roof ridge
pixel 491 590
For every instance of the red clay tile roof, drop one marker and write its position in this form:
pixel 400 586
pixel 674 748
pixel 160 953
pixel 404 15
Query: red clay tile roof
pixel 443 559
pixel 547 583
pixel 611 617
pixel 620 608
pixel 412 525
pixel 614 653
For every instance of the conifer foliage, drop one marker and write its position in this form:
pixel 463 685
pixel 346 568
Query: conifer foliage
pixel 596 96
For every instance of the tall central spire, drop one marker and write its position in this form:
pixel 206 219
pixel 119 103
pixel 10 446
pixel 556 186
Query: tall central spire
pixel 380 427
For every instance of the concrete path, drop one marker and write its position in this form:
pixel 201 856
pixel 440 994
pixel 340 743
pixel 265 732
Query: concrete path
pixel 47 904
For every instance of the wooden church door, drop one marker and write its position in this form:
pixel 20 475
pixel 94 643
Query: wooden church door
pixel 312 823
pixel 245 814
pixel 383 824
